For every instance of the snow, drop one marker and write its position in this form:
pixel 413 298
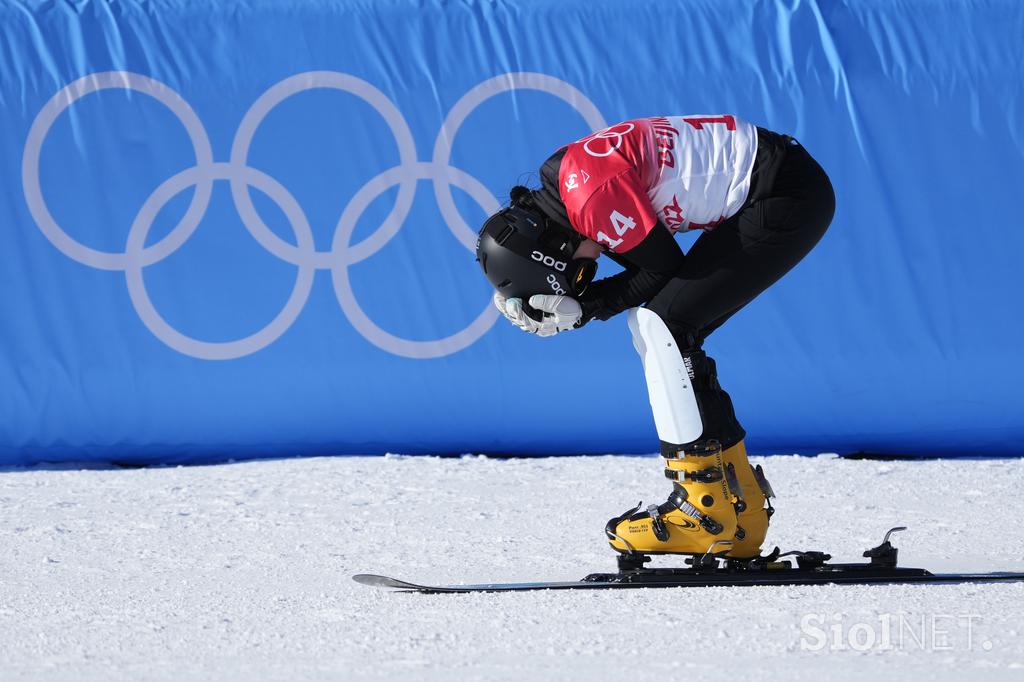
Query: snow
pixel 242 571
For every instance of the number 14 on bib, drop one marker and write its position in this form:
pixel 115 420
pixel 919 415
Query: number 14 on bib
pixel 621 224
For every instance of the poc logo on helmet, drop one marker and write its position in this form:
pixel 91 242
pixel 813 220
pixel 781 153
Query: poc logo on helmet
pixel 555 286
pixel 548 261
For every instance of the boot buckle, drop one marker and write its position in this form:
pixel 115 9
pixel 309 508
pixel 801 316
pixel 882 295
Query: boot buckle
pixel 734 488
pixel 705 521
pixel 709 475
pixel 762 482
pixel 657 524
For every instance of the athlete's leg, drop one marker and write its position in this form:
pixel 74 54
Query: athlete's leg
pixel 723 272
pixel 700 513
pixel 729 266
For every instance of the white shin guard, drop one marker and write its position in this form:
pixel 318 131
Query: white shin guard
pixel 669 384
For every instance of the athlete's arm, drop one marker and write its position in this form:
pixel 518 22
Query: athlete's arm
pixel 648 267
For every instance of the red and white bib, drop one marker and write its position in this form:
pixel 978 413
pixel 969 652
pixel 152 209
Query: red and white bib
pixel 689 172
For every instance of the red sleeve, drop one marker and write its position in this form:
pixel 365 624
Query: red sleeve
pixel 618 214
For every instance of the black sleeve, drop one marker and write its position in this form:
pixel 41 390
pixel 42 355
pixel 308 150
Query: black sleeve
pixel 648 267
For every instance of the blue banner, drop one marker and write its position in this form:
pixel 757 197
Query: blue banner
pixel 246 229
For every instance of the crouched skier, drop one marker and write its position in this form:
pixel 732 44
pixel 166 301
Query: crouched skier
pixel 623 192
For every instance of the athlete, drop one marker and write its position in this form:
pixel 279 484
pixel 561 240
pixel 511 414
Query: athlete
pixel 623 192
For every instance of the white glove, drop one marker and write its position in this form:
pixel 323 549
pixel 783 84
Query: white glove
pixel 561 313
pixel 512 309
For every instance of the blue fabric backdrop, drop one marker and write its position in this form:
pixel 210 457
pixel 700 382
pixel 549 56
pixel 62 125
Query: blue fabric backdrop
pixel 244 229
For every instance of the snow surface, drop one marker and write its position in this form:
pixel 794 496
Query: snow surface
pixel 242 571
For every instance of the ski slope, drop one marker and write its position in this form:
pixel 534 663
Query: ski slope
pixel 242 571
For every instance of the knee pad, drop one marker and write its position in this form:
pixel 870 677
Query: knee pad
pixel 673 399
pixel 687 402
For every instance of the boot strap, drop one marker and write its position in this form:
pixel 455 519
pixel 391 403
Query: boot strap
pixel 709 475
pixel 708 449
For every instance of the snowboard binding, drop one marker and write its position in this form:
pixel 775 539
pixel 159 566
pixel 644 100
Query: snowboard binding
pixel 716 563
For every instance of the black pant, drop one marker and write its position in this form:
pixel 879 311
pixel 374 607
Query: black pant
pixel 790 206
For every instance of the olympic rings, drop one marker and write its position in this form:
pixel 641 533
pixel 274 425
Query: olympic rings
pixel 608 134
pixel 34 145
pixel 303 254
pixel 137 239
pixel 474 98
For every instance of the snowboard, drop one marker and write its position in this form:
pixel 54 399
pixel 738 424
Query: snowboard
pixel 811 568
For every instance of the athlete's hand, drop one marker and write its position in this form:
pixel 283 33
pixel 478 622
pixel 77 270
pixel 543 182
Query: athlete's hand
pixel 512 309
pixel 560 313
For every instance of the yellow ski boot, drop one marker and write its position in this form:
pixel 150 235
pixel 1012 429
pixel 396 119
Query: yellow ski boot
pixel 753 490
pixel 699 516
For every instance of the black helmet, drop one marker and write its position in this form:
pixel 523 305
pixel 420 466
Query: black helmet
pixel 523 253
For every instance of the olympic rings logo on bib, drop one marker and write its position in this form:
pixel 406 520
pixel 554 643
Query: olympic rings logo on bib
pixel 303 254
pixel 613 133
